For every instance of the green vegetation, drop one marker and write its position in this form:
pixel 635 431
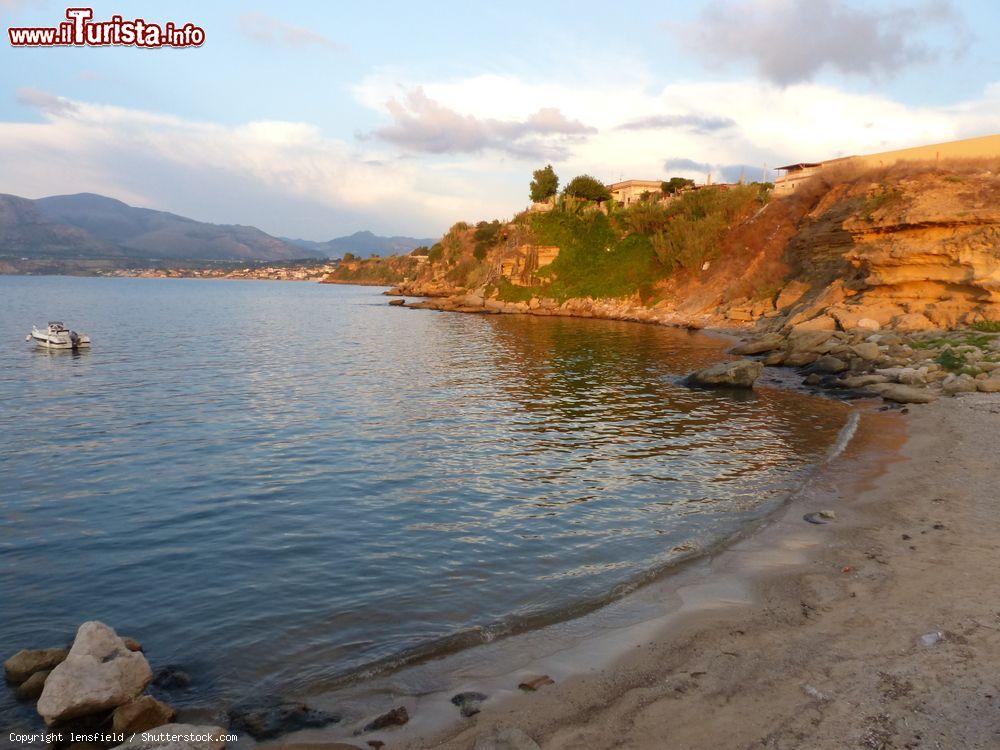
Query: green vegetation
pixel 588 188
pixel 436 252
pixel 884 197
pixel 594 261
pixel 487 235
pixel 512 292
pixel 348 257
pixel 544 185
pixel 951 360
pixel 675 185
pixel 696 223
pixel 987 326
pixel 377 271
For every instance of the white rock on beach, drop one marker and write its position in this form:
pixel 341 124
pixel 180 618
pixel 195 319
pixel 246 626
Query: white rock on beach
pixel 99 674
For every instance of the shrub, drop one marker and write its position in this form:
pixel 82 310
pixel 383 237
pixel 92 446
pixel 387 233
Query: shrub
pixel 645 217
pixel 435 253
pixel 544 185
pixel 593 261
pixel 698 221
pixel 509 292
pixel 587 187
pixel 951 360
pixel 675 184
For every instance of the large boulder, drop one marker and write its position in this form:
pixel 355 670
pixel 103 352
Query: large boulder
pixel 740 373
pixel 760 346
pixel 903 394
pixel 178 737
pixel 25 663
pixel 100 673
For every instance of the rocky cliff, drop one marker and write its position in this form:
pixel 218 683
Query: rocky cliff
pixel 914 246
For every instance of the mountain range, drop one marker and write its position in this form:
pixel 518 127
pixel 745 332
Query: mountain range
pixel 364 244
pixel 86 225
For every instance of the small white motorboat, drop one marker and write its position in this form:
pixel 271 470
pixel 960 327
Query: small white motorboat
pixel 57 336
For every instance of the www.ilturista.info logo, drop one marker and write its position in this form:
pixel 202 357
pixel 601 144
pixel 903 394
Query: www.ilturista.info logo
pixel 80 30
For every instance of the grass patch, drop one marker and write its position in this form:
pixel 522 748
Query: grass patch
pixel 987 326
pixel 593 261
pixel 512 292
pixel 951 361
pixel 881 199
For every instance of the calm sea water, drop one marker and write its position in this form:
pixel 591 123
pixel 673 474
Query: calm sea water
pixel 277 484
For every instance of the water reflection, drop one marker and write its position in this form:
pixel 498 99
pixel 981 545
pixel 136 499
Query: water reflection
pixel 336 482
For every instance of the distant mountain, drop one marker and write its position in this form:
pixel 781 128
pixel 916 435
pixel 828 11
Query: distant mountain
pixel 25 229
pixel 94 226
pixel 363 244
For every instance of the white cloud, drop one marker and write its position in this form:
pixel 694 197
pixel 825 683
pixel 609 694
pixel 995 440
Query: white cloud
pixel 146 157
pixel 713 122
pixel 420 124
pixel 293 179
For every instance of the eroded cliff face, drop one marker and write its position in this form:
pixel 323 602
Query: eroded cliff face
pixel 909 247
pixel 914 247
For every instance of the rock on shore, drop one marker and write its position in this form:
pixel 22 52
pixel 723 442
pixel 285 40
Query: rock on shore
pixel 99 673
pixel 741 373
pixel 25 663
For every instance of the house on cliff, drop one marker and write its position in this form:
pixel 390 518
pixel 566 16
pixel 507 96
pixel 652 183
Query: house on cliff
pixel 627 192
pixel 971 148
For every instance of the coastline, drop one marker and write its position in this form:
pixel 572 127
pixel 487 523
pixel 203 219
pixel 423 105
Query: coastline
pixel 793 636
pixel 832 651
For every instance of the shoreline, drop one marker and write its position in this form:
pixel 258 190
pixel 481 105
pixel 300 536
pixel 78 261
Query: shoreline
pixel 883 633
pixel 569 650
pixel 879 629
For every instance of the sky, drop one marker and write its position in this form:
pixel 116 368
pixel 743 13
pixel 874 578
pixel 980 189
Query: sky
pixel 318 119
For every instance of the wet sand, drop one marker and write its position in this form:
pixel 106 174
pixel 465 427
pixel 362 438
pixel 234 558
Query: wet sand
pixel 880 629
pixel 829 655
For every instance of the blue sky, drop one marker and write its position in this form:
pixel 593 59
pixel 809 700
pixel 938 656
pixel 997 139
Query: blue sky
pixel 317 119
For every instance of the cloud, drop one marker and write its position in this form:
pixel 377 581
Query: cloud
pixel 45 102
pixel 686 165
pixel 286 177
pixel 719 172
pixel 274 32
pixel 695 123
pixel 793 40
pixel 421 124
pixel 292 178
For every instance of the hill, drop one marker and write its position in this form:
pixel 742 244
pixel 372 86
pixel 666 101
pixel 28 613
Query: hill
pixel 86 225
pixel 363 245
pixel 910 246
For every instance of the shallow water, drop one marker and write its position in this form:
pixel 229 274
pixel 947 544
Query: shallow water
pixel 277 484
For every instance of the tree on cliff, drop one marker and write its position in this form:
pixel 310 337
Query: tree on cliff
pixel 675 184
pixel 589 188
pixel 545 185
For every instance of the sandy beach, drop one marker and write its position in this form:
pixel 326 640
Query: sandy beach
pixel 880 629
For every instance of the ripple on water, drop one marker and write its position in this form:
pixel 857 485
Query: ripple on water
pixel 295 481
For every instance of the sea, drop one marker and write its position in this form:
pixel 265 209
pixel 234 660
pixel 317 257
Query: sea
pixel 280 487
